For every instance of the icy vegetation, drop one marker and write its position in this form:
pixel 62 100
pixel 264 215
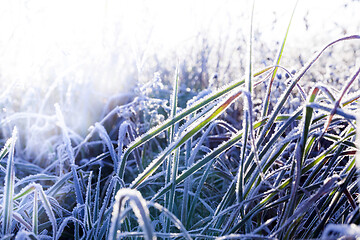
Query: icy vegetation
pixel 240 139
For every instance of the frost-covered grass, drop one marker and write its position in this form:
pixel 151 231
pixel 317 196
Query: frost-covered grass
pixel 173 166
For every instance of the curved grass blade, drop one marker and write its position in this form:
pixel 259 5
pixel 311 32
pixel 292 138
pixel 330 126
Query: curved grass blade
pixel 200 104
pixel 36 177
pixel 39 192
pixel 215 153
pixel 334 201
pixel 65 224
pixel 338 111
pixel 271 195
pixel 187 134
pixel 138 204
pixel 337 103
pixel 255 175
pixel 106 139
pixel 173 218
pixel 300 155
pixel 47 207
pixel 301 210
pixel 295 80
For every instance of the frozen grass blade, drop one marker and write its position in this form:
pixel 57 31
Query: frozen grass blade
pixel 249 104
pixel 296 79
pixel 87 217
pixel 36 177
pixel 337 103
pixel 138 204
pixel 212 155
pixel 172 160
pixel 173 218
pixel 106 139
pixel 247 121
pixel 70 152
pixel 9 187
pixel 325 189
pixel 300 154
pixel 102 213
pixel 195 128
pixel 65 223
pixel 35 216
pixel 125 128
pixel 97 196
pixel 48 208
pixel 4 151
pixel 174 174
pixel 38 191
pixel 197 193
pixel 168 123
pixel 329 109
pixel 187 183
pixel 240 176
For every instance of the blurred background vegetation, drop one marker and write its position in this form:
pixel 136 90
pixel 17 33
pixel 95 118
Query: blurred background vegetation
pixel 90 56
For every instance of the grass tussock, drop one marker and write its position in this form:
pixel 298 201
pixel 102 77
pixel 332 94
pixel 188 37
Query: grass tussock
pixel 173 167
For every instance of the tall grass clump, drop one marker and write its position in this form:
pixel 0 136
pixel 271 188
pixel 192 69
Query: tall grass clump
pixel 168 167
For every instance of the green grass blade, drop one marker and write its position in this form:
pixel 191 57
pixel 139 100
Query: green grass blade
pixel 172 160
pixel 199 164
pixel 9 187
pixel 296 79
pixel 154 132
pixel 197 193
pixel 300 154
pixel 195 128
pixel 277 62
pixel 337 103
pixel 325 189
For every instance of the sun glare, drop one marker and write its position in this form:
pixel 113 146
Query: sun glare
pixel 40 39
